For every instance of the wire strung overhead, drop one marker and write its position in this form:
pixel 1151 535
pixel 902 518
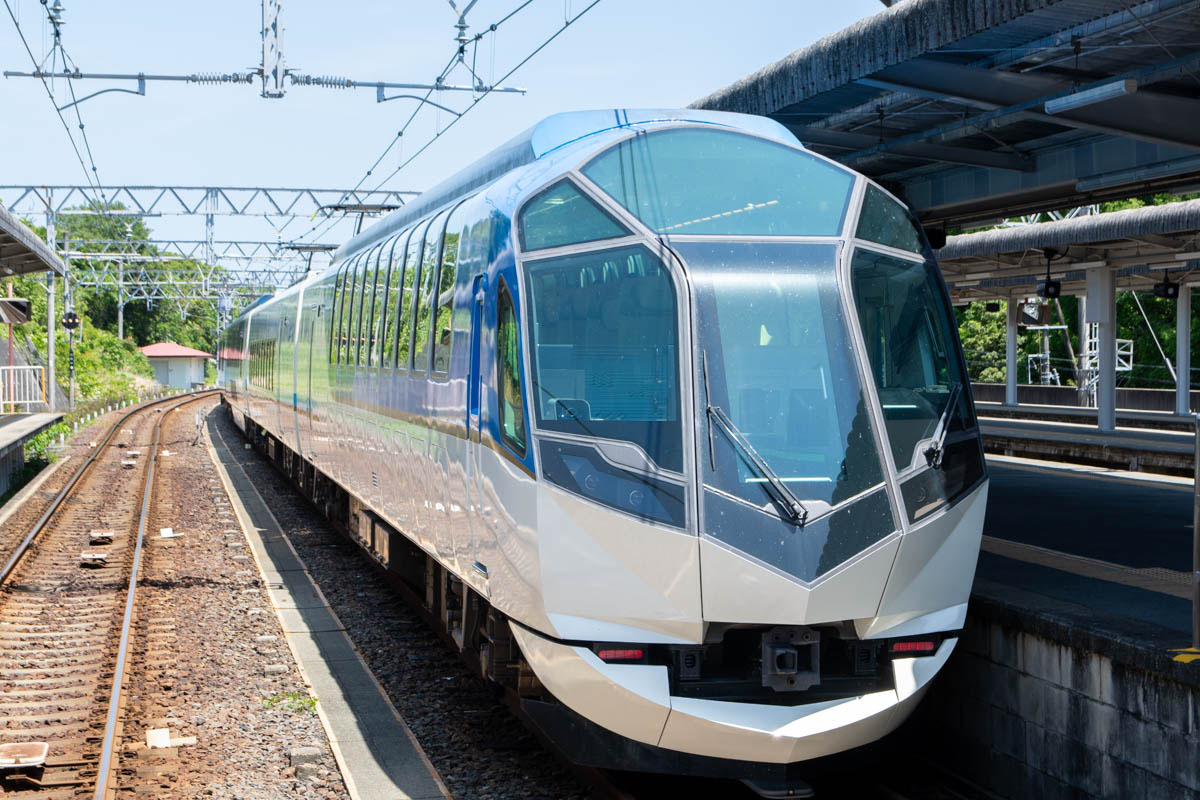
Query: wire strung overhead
pixel 93 175
pixel 459 58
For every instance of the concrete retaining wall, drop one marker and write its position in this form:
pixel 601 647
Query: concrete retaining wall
pixel 1034 706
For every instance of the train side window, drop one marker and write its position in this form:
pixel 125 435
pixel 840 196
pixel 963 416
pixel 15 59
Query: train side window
pixel 339 302
pixel 391 298
pixel 408 287
pixel 443 340
pixel 562 215
pixel 885 221
pixel 376 278
pixel 350 292
pixel 508 373
pixel 362 306
pixel 429 264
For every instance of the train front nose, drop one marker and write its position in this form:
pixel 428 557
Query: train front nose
pixel 796 525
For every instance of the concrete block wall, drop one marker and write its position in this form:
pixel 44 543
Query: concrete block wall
pixel 1027 711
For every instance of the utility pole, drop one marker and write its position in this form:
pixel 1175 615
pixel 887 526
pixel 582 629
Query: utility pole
pixel 273 68
pixel 121 299
pixel 52 399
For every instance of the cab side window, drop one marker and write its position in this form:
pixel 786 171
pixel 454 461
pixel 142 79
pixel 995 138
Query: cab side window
pixel 508 374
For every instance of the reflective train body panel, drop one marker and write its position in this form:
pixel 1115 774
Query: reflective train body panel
pixel 681 401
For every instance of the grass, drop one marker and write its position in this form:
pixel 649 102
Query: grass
pixel 297 702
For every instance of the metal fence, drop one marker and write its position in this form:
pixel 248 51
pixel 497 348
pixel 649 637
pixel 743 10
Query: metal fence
pixel 22 389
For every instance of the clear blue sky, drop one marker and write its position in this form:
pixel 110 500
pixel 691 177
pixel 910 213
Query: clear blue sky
pixel 623 53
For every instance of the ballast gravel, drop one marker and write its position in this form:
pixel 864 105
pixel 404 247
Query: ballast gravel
pixel 480 750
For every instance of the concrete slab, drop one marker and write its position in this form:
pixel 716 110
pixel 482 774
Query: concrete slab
pixel 377 753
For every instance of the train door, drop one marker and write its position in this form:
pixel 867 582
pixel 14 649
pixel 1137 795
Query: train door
pixel 476 574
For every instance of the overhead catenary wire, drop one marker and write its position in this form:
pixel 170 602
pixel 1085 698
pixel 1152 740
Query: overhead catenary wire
pixel 91 176
pixel 456 58
pixel 478 100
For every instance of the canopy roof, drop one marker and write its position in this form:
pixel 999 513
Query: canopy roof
pixel 975 111
pixel 1138 244
pixel 21 251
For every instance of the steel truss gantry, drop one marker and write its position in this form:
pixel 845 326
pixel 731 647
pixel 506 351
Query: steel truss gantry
pixel 229 272
pixel 272 202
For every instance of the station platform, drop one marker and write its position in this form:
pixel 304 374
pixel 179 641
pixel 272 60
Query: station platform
pixel 1117 544
pixel 15 430
pixel 1149 441
pixel 1072 676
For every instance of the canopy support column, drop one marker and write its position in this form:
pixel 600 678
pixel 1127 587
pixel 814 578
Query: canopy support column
pixel 1102 310
pixel 1183 350
pixel 1010 351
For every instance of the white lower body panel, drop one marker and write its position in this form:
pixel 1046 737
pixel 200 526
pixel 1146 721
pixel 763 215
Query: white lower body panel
pixel 634 701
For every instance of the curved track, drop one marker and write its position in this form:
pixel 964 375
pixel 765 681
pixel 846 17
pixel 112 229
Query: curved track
pixel 66 613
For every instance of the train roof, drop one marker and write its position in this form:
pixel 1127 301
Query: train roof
pixel 546 136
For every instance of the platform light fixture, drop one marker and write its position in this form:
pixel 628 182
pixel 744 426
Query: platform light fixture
pixel 1097 94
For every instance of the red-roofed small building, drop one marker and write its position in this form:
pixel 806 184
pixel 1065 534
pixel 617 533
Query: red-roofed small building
pixel 176 365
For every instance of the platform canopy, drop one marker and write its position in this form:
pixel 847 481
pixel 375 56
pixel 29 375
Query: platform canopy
pixel 1137 244
pixel 21 251
pixel 975 111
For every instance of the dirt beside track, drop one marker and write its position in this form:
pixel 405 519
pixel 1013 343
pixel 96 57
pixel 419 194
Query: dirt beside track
pixel 215 664
pixel 206 665
pixel 480 750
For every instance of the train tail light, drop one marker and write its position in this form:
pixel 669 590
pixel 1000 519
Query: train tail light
pixel 920 646
pixel 621 655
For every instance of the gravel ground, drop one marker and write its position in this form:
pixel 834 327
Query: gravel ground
pixel 481 751
pixel 214 664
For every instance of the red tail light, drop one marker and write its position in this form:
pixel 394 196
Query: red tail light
pixel 625 654
pixel 915 647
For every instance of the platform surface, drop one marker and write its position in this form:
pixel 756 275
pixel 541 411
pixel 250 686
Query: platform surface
pixel 19 427
pixel 1144 439
pixel 378 756
pixel 1110 549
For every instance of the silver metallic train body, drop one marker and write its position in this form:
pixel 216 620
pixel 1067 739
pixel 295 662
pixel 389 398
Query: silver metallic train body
pixel 664 417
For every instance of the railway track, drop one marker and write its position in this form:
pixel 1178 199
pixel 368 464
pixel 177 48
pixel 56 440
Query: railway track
pixel 67 607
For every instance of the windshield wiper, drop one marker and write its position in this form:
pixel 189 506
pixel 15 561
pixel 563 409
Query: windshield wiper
pixel 783 495
pixel 935 451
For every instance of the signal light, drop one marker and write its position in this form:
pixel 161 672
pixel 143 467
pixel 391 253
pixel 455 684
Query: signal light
pixel 610 655
pixel 1049 289
pixel 914 647
pixel 1167 290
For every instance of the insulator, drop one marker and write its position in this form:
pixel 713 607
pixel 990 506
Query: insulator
pixel 327 81
pixel 219 77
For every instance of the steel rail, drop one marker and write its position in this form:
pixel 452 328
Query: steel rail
pixel 61 497
pixel 105 768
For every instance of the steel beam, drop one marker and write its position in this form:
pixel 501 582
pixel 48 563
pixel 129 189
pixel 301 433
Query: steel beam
pixel 924 151
pixel 1146 115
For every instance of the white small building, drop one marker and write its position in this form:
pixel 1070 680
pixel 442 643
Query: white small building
pixel 176 365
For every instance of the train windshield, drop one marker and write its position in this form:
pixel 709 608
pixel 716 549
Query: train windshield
pixel 775 359
pixel 909 334
pixel 775 369
pixel 705 181
pixel 605 350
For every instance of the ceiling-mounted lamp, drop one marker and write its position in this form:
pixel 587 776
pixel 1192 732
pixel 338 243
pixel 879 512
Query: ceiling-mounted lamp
pixel 1087 97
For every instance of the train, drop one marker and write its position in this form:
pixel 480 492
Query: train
pixel 663 419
